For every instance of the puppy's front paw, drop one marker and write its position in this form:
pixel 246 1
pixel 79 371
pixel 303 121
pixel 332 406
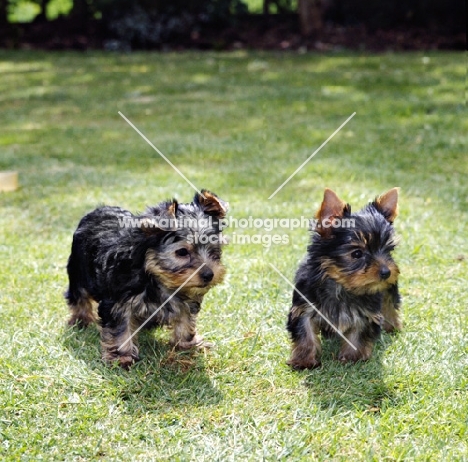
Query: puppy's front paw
pixel 125 359
pixel 197 342
pixel 304 358
pixel 350 355
pixel 394 325
pixel 300 365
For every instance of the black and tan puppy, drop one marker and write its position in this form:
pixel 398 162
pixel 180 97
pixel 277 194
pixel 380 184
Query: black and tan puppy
pixel 350 279
pixel 148 270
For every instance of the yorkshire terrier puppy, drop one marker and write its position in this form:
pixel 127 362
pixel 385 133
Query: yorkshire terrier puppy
pixel 145 271
pixel 347 283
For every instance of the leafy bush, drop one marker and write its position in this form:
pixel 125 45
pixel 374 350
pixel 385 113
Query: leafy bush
pixel 391 13
pixel 146 23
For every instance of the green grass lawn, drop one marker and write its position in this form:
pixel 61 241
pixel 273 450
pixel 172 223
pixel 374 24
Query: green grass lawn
pixel 238 124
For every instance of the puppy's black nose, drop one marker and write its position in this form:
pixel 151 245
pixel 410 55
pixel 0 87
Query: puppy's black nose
pixel 206 275
pixel 384 272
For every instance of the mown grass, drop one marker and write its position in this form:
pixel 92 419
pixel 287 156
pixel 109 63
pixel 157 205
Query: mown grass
pixel 238 124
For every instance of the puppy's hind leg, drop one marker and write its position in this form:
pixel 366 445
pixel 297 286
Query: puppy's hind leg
pixel 306 341
pixel 82 307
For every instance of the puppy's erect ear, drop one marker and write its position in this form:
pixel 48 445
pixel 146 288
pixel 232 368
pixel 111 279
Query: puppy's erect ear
pixel 161 218
pixel 211 204
pixel 387 204
pixel 332 207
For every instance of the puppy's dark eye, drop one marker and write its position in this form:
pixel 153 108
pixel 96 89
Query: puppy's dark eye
pixel 182 252
pixel 357 254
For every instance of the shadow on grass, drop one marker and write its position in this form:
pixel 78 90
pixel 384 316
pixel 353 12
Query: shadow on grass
pixel 342 387
pixel 162 378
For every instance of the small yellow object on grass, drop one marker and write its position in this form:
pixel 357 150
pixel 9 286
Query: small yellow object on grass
pixel 8 181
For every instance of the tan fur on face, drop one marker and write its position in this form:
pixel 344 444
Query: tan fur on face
pixel 173 279
pixel 365 281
